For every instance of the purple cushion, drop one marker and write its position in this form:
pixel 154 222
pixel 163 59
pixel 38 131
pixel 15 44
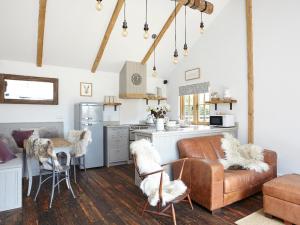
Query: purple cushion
pixel 5 153
pixel 20 136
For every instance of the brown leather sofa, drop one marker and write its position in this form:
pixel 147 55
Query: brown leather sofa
pixel 212 186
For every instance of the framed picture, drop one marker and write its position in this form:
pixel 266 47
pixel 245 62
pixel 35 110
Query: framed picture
pixel 86 89
pixel 192 74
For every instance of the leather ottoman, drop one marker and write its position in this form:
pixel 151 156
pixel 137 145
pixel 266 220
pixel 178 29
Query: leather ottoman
pixel 282 198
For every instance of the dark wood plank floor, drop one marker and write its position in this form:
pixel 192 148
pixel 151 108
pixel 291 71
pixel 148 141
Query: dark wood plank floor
pixel 110 197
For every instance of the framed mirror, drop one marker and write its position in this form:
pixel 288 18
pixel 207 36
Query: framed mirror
pixel 15 89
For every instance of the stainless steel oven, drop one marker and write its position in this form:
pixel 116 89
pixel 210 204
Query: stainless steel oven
pixel 134 127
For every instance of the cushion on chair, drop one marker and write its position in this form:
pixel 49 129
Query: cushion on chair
pixel 5 153
pixel 20 136
pixel 236 180
pixel 286 188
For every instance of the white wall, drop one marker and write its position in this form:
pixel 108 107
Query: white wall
pixel 104 83
pixel 221 54
pixel 276 61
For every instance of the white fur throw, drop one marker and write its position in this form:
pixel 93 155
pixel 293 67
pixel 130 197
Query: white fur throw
pixel 80 140
pixel 148 160
pixel 248 156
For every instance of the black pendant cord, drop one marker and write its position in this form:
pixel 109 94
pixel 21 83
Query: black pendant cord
pixel 201 17
pixel 124 10
pixel 175 25
pixel 185 25
pixel 146 12
pixel 154 53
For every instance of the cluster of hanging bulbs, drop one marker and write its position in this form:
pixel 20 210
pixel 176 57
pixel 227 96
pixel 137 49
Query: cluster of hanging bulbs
pixel 99 7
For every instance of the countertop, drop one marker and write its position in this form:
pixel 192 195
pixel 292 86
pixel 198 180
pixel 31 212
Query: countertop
pixel 192 129
pixel 116 126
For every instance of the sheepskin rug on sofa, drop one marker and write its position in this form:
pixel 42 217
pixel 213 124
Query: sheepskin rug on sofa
pixel 247 156
pixel 148 161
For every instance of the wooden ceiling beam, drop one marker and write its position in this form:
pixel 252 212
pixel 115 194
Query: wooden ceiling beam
pixel 107 34
pixel 201 5
pixel 162 32
pixel 249 19
pixel 41 30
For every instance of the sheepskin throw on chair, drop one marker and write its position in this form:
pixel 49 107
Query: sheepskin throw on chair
pixel 247 156
pixel 80 140
pixel 148 161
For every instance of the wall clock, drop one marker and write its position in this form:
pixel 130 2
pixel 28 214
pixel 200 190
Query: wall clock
pixel 136 79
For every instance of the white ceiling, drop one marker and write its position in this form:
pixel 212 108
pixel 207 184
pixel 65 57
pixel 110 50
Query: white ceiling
pixel 74 30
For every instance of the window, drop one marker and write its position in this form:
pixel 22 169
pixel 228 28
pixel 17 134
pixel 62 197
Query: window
pixel 193 108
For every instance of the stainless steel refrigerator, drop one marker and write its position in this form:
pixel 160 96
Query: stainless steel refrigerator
pixel 90 115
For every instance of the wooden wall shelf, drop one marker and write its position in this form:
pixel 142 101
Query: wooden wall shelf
pixel 158 99
pixel 112 104
pixel 222 101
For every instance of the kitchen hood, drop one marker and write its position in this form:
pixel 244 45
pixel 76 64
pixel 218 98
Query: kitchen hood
pixel 133 81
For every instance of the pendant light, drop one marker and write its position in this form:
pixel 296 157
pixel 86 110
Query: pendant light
pixel 99 5
pixel 124 26
pixel 175 59
pixel 146 26
pixel 201 23
pixel 185 47
pixel 154 73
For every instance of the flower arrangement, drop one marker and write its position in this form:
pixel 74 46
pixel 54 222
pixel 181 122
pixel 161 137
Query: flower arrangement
pixel 159 111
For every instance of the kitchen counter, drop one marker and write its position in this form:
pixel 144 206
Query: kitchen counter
pixel 201 129
pixel 166 141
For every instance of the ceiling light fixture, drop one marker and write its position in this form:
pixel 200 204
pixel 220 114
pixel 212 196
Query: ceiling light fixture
pixel 146 26
pixel 185 47
pixel 154 73
pixel 201 23
pixel 175 59
pixel 99 5
pixel 124 26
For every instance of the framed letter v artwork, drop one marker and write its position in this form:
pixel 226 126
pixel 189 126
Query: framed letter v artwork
pixel 86 89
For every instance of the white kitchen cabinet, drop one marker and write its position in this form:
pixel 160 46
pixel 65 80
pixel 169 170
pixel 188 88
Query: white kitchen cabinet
pixel 11 184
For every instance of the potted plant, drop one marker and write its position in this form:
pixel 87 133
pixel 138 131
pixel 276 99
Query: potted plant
pixel 159 112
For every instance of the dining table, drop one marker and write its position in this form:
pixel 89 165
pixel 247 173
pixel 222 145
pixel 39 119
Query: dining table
pixel 59 145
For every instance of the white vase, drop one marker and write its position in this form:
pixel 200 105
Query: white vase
pixel 160 124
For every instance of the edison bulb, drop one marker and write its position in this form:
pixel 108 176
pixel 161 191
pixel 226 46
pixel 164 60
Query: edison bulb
pixel 175 59
pixel 99 5
pixel 124 32
pixel 201 27
pixel 146 35
pixel 185 52
pixel 154 73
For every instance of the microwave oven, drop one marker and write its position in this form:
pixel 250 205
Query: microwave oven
pixel 222 121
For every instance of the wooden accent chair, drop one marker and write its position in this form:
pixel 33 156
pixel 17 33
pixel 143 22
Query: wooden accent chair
pixel 161 210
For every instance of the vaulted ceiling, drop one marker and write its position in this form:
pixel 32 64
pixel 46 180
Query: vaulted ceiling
pixel 74 31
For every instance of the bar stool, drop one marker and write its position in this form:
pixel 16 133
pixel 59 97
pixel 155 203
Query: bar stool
pixel 80 140
pixel 57 171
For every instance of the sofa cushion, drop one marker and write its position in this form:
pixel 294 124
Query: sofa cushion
pixel 201 147
pixel 286 188
pixel 20 136
pixel 5 153
pixel 10 142
pixel 235 180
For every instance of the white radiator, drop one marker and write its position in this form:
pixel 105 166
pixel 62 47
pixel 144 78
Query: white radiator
pixel 11 184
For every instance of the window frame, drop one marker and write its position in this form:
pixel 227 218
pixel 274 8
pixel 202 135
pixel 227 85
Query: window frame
pixel 196 104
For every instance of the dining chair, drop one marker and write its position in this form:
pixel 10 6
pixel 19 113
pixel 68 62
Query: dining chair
pixel 80 139
pixel 164 187
pixel 58 172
